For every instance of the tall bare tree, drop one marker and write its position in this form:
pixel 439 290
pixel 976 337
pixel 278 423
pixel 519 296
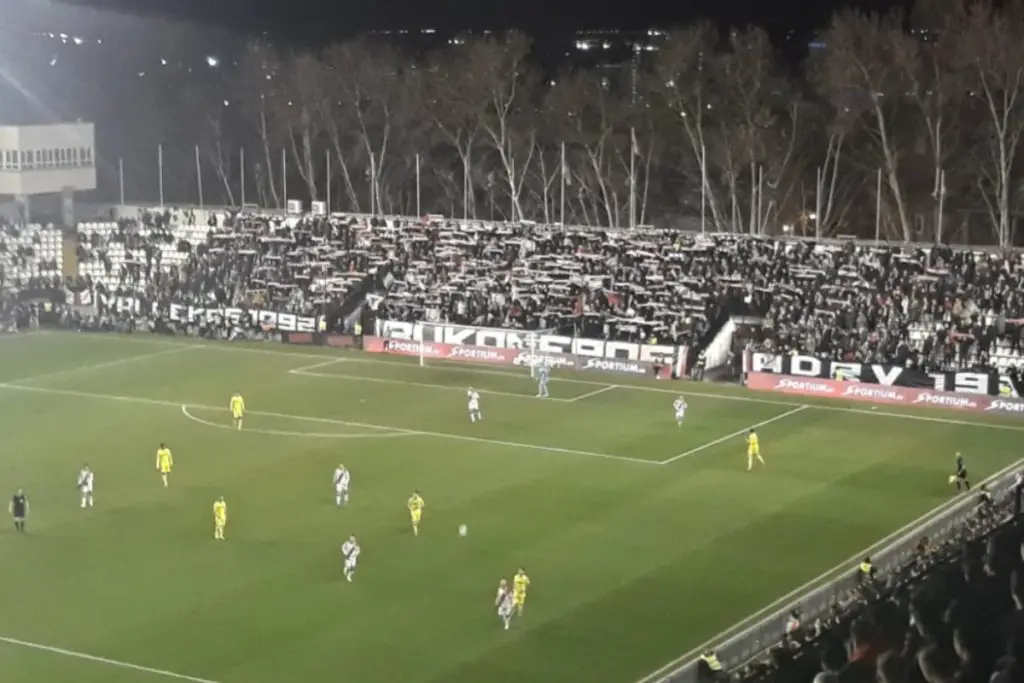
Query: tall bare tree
pixel 296 111
pixel 258 89
pixel 992 59
pixel 859 75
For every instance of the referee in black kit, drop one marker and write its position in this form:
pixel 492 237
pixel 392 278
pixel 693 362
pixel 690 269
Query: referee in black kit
pixel 19 509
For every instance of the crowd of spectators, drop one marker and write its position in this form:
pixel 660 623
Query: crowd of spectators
pixel 954 613
pixel 936 308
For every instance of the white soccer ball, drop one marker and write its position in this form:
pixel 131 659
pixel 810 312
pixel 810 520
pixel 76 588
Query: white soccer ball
pixel 463 530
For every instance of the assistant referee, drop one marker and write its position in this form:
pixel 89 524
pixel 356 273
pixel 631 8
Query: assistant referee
pixel 19 509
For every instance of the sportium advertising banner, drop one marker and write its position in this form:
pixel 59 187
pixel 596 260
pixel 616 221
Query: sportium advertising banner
pixel 489 355
pixel 884 395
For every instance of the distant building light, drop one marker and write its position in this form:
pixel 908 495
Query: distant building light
pixel 429 31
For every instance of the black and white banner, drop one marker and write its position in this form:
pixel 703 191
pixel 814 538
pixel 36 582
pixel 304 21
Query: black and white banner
pixel 268 319
pixel 600 351
pixel 988 383
pixel 543 343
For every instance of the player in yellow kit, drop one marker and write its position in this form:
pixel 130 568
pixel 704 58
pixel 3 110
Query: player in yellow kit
pixel 753 450
pixel 415 506
pixel 164 462
pixel 220 518
pixel 520 582
pixel 237 410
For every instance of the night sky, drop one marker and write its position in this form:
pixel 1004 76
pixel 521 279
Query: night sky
pixel 322 20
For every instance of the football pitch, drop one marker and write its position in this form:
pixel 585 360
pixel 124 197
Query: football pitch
pixel 642 540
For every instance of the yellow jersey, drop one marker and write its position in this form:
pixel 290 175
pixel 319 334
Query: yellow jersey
pixel 415 504
pixel 164 460
pixel 220 511
pixel 752 443
pixel 520 582
pixel 237 405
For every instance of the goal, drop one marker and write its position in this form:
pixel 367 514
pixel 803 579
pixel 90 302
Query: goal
pixel 441 344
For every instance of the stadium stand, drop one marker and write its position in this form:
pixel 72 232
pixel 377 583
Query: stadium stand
pixel 951 611
pixel 937 308
pixel 30 254
pixel 933 308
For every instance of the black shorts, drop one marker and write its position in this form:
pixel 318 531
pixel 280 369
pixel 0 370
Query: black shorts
pixel 19 518
pixel 961 474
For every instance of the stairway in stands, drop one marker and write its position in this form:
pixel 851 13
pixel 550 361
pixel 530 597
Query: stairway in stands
pixel 70 249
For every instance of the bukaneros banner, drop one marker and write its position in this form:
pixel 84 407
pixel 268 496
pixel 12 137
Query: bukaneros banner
pixel 883 395
pixel 267 318
pixel 990 383
pixel 576 350
pixel 519 357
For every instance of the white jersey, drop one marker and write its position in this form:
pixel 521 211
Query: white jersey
pixel 341 479
pixel 474 400
pixel 351 552
pixel 680 407
pixel 85 481
pixel 504 601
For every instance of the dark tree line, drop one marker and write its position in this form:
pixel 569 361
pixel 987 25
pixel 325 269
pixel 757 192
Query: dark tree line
pixel 920 115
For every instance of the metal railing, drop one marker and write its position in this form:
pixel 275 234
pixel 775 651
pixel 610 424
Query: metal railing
pixel 750 639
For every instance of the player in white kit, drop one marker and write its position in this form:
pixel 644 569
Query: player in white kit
pixel 341 480
pixel 474 405
pixel 350 551
pixel 505 603
pixel 680 407
pixel 85 482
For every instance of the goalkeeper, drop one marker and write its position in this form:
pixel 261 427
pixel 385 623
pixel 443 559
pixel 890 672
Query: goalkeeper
pixel 543 373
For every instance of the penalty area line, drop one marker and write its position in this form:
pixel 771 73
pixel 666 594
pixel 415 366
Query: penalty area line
pixel 140 400
pixel 380 434
pixel 723 439
pixel 103 660
pixel 590 394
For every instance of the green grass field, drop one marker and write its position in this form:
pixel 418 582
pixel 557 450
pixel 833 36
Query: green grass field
pixel 642 540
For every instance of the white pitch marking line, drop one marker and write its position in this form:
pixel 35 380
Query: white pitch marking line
pixel 590 394
pixel 737 630
pixel 305 368
pixel 325 420
pixel 302 372
pixel 278 432
pixel 103 660
pixel 98 366
pixel 220 346
pixel 740 432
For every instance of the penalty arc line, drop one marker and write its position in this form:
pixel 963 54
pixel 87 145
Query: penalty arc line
pixel 103 660
pixel 723 439
pixel 326 420
pixel 280 432
pixel 740 628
